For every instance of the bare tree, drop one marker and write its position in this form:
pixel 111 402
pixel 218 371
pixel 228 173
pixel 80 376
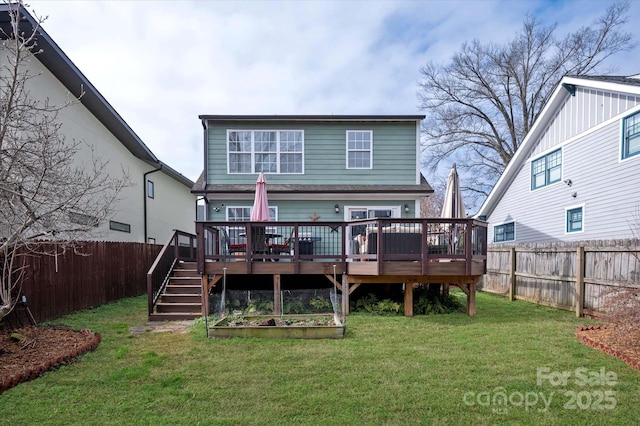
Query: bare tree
pixel 431 206
pixel 480 106
pixel 50 187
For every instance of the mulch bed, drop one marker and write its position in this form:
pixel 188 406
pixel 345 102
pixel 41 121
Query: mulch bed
pixel 604 339
pixel 41 350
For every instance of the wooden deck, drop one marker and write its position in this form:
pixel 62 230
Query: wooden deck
pixel 406 252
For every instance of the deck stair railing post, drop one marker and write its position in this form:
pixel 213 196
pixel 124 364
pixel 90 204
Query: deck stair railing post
pixel 180 246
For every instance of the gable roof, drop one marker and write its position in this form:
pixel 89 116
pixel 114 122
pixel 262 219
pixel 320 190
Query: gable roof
pixel 59 64
pixel 618 84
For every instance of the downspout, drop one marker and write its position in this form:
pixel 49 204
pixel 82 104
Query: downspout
pixel 144 199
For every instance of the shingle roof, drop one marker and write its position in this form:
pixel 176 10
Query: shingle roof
pixel 619 79
pixel 312 117
pixel 423 188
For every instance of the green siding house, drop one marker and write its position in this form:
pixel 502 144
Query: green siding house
pixel 317 167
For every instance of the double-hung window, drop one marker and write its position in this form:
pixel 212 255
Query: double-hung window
pixel 243 214
pixel 504 232
pixel 631 136
pixel 546 169
pixel 359 149
pixel 574 219
pixel 268 151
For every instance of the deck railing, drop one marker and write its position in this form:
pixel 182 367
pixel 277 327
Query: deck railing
pixel 181 246
pixel 379 240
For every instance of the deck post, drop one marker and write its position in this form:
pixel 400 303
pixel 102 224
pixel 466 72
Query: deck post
pixel 277 299
pixel 471 300
pixel 408 299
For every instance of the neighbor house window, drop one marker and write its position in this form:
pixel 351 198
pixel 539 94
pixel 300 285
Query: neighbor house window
pixel 83 219
pixel 359 149
pixel 268 151
pixel 119 226
pixel 631 136
pixel 504 232
pixel 546 169
pixel 574 219
pixel 150 189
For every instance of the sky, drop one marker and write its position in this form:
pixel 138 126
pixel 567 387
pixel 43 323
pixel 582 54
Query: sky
pixel 160 64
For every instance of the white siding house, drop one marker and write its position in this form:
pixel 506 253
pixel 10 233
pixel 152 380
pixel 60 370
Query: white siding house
pixel 577 173
pixel 139 216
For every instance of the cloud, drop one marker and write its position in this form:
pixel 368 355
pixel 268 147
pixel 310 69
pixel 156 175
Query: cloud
pixel 161 64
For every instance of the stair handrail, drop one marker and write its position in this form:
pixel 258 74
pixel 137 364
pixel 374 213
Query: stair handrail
pixel 160 271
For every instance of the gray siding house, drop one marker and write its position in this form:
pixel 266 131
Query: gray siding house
pixel 577 173
pixel 159 198
pixel 317 167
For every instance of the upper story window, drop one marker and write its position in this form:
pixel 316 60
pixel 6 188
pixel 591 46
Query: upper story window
pixel 268 151
pixel 359 149
pixel 504 232
pixel 631 136
pixel 546 169
pixel 150 189
pixel 574 219
pixel 119 226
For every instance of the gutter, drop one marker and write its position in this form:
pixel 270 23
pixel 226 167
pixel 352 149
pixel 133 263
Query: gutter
pixel 144 199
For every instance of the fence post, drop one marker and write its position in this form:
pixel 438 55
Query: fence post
pixel 512 278
pixel 580 282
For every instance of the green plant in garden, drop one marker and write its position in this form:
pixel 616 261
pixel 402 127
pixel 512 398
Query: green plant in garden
pixel 320 304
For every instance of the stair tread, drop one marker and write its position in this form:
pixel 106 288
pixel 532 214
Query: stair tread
pixel 180 294
pixel 183 286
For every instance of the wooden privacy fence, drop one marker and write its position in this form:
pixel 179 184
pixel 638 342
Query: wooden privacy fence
pixel 103 272
pixel 574 275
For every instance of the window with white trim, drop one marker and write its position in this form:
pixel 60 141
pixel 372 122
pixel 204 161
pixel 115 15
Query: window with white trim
pixel 359 149
pixel 150 189
pixel 546 169
pixel 504 232
pixel 268 151
pixel 631 136
pixel 574 219
pixel 243 214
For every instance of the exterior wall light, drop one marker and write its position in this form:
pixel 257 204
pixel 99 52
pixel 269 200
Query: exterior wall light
pixel 406 208
pixel 337 209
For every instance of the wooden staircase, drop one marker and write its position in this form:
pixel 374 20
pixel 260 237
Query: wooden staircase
pixel 182 297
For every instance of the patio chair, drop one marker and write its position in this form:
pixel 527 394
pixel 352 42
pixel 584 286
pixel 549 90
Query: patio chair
pixel 232 248
pixel 285 247
pixel 259 240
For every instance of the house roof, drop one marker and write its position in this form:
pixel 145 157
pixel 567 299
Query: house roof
pixel 422 189
pixel 616 84
pixel 311 117
pixel 59 64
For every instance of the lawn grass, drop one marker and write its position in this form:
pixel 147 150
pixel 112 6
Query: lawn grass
pixel 439 369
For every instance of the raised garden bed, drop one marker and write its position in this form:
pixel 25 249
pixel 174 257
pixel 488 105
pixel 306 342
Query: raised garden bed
pixel 279 327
